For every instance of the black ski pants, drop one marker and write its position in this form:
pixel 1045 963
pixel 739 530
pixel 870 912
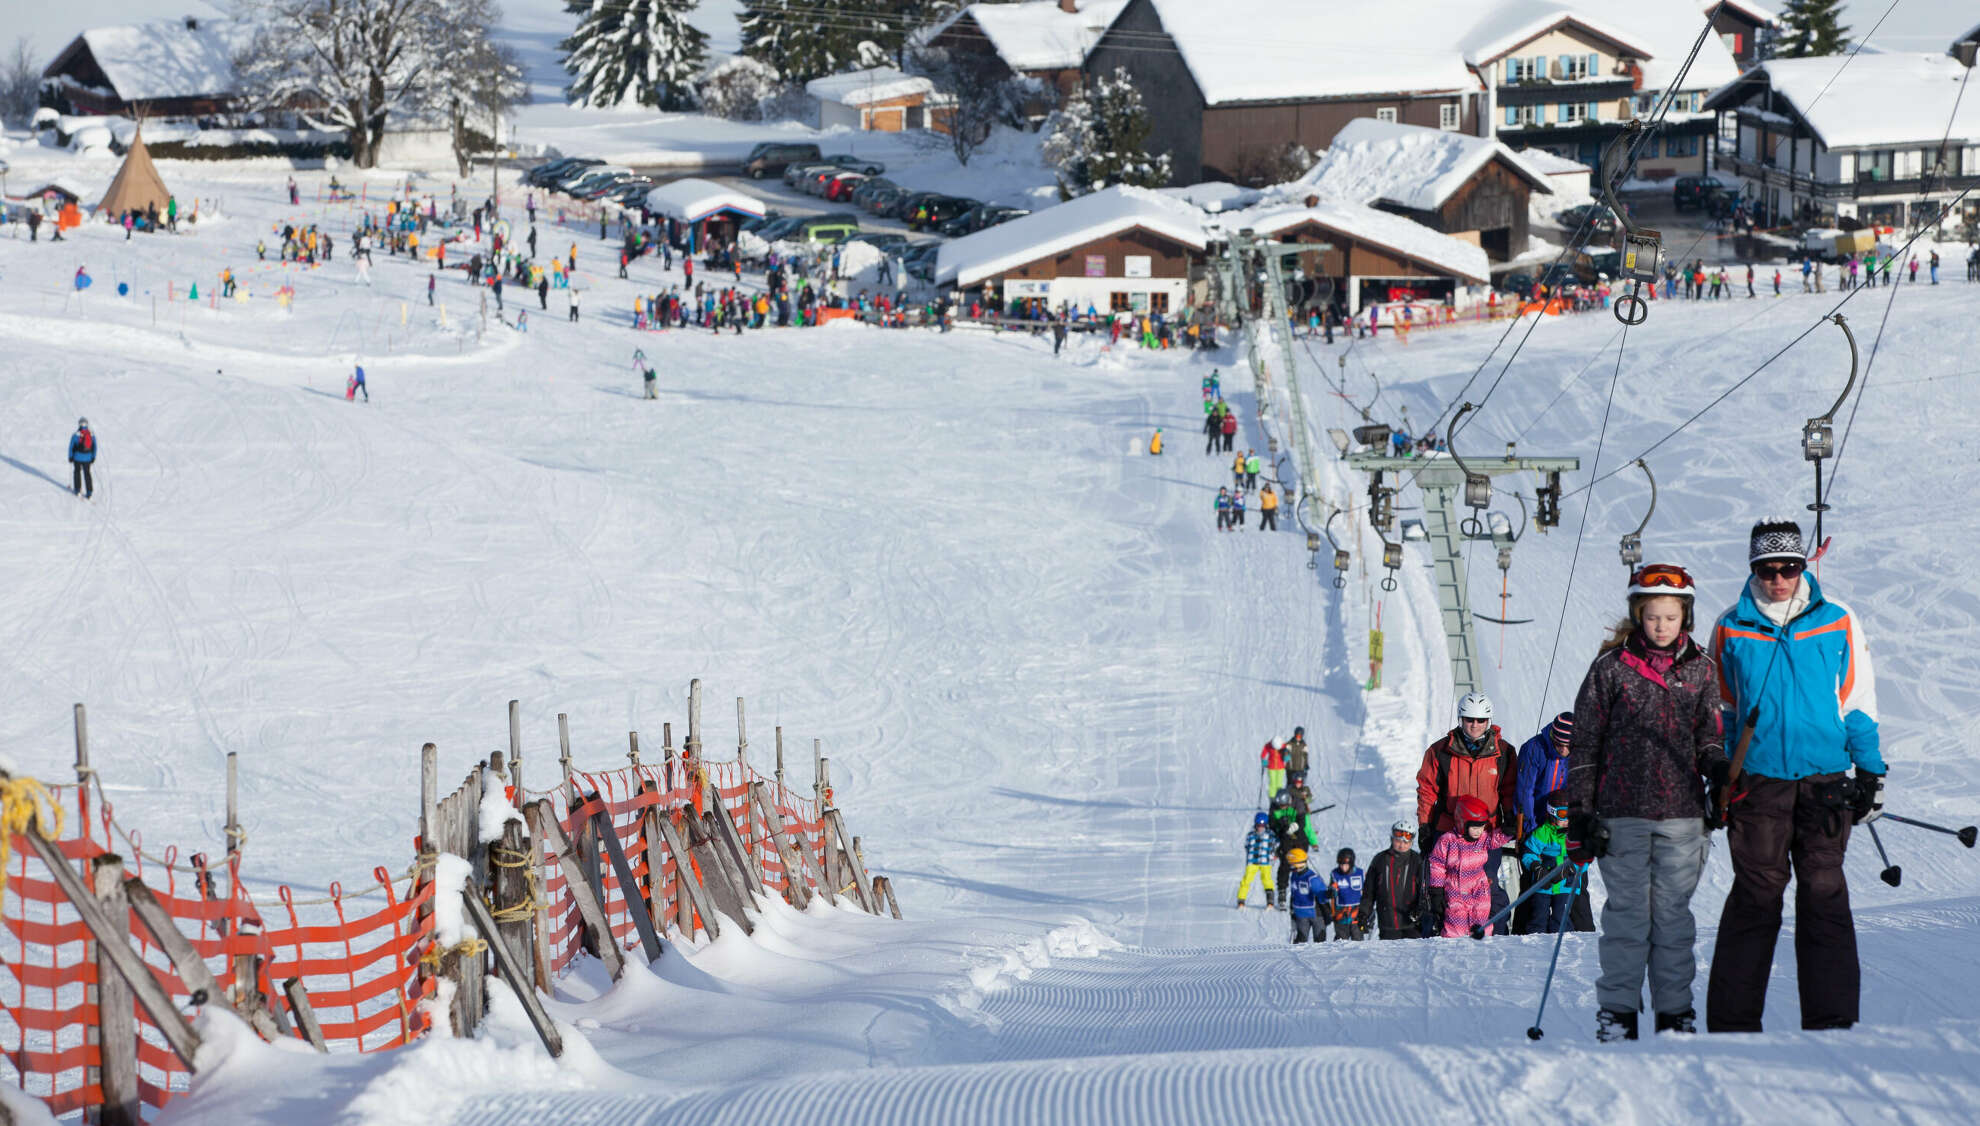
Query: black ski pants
pixel 1210 447
pixel 1268 520
pixel 1308 930
pixel 83 481
pixel 1778 826
pixel 1228 439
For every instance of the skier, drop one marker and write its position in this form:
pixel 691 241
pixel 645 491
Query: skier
pixel 1301 901
pixel 429 290
pixel 1237 510
pixel 1470 761
pixel 1252 464
pixel 1228 427
pixel 1223 509
pixel 355 385
pixel 543 294
pixel 1646 733
pixel 1237 473
pixel 1344 887
pixel 571 295
pixel 1268 510
pixel 1294 830
pixel 1546 847
pixel 1296 757
pixel 1461 867
pixel 1273 758
pixel 82 456
pixel 1213 426
pixel 1543 769
pixel 1155 443
pixel 1058 335
pixel 1259 847
pixel 1397 894
pixel 647 375
pixel 1782 648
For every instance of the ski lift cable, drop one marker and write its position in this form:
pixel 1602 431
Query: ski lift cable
pixel 1826 318
pixel 1574 561
pixel 1851 57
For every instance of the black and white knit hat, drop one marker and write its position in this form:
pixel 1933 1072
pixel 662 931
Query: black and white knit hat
pixel 1775 538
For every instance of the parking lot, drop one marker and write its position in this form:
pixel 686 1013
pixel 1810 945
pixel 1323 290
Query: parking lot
pixel 786 200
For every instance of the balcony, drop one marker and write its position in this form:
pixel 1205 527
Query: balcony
pixel 1865 187
pixel 1547 91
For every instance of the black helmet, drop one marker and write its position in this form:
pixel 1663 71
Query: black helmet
pixel 1282 799
pixel 1298 731
pixel 1345 856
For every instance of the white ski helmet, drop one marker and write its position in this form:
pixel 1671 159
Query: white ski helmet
pixel 1476 705
pixel 1403 828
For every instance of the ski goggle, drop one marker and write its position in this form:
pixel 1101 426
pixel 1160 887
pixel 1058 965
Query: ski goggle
pixel 1557 811
pixel 1782 569
pixel 1662 574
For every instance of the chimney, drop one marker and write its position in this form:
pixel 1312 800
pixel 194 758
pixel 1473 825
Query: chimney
pixel 1069 6
pixel 192 23
pixel 1313 201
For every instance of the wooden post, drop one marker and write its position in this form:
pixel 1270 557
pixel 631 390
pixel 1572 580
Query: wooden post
pixel 649 938
pixel 589 909
pixel 178 1032
pixel 667 749
pixel 694 895
pixel 509 861
pixel 429 799
pixel 883 888
pixel 725 829
pixel 818 772
pixel 742 741
pixel 656 856
pixel 717 870
pixel 82 763
pixel 512 972
pixel 312 1029
pixel 692 757
pixel 797 860
pixel 633 754
pixel 116 1015
pixel 233 814
pixel 564 757
pixel 860 880
pixel 515 750
pixel 199 981
pixel 780 761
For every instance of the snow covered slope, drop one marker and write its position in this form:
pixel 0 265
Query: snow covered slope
pixel 1041 672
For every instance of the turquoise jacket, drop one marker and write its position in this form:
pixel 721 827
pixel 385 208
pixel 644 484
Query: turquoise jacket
pixel 1810 681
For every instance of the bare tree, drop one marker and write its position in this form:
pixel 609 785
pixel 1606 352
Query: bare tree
pixel 986 95
pixel 476 80
pixel 20 84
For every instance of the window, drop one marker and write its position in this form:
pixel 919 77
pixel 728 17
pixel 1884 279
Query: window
pixel 1675 145
pixel 1874 165
pixel 1572 113
pixel 1386 113
pixel 1158 302
pixel 1733 42
pixel 1520 70
pixel 1524 115
pixel 1447 116
pixel 1117 302
pixel 1574 68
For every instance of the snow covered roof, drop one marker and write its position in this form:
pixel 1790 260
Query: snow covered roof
pixel 860 87
pixel 1391 232
pixel 1054 230
pixel 1269 50
pixel 1505 26
pixel 691 200
pixel 165 59
pixel 1038 34
pixel 1407 165
pixel 1758 13
pixel 1215 195
pixel 1667 29
pixel 1879 99
pixel 1547 164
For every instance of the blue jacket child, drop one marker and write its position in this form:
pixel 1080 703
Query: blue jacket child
pixel 1344 896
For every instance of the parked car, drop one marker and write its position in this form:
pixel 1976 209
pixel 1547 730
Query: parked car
pixel 1574 217
pixel 818 178
pixel 544 174
pixel 756 225
pixel 1696 191
pixel 607 187
pixel 880 200
pixel 857 163
pixel 887 242
pixel 869 187
pixel 906 206
pixel 930 213
pixel 797 169
pixel 841 187
pixel 826 228
pixel 775 156
pixel 979 217
pixel 632 193
pixel 780 229
pixel 584 178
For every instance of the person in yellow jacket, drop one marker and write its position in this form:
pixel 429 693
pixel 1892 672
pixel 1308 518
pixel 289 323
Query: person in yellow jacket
pixel 1237 472
pixel 1268 509
pixel 1155 443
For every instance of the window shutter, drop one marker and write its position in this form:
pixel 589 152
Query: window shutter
pixel 1594 64
pixel 1539 65
pixel 1567 66
pixel 1592 114
pixel 1512 116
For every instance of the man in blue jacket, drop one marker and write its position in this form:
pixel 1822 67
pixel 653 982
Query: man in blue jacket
pixel 1797 680
pixel 82 455
pixel 1543 767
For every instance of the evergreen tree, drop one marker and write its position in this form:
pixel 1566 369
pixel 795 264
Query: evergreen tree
pixel 1100 138
pixel 1812 27
pixel 639 51
pixel 797 39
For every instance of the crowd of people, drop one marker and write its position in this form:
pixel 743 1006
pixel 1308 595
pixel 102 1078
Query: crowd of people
pixel 1635 779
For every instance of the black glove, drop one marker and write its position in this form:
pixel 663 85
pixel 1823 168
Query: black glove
pixel 1718 778
pixel 1587 839
pixel 1424 840
pixel 1869 803
pixel 1439 900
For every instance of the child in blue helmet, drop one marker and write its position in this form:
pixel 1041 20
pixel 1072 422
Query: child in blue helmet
pixel 1260 846
pixel 1546 847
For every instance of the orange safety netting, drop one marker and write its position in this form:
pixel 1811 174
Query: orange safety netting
pixel 356 953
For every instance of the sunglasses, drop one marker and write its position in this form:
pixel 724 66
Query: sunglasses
pixel 1473 719
pixel 1785 570
pixel 1662 574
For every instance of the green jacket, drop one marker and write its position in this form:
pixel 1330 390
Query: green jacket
pixel 1253 464
pixel 1290 824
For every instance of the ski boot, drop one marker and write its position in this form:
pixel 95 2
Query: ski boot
pixel 1271 902
pixel 1612 1025
pixel 1685 1022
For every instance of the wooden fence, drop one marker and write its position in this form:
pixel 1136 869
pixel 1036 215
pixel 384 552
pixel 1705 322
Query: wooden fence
pixel 105 947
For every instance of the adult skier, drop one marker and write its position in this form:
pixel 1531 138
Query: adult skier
pixel 1398 898
pixel 82 456
pixel 1296 756
pixel 1646 735
pixel 1272 758
pixel 1472 760
pixel 1294 830
pixel 1784 649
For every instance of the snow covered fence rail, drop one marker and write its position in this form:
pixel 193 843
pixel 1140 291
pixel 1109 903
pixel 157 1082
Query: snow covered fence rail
pixel 605 863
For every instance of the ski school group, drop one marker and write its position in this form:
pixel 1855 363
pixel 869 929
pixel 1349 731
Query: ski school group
pixel 1636 778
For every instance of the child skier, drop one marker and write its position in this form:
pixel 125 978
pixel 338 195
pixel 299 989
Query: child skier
pixel 1273 758
pixel 1294 830
pixel 1344 897
pixel 1155 443
pixel 1237 510
pixel 1301 901
pixel 1546 847
pixel 1259 847
pixel 1397 900
pixel 1223 509
pixel 1237 473
pixel 1252 465
pixel 356 385
pixel 1460 868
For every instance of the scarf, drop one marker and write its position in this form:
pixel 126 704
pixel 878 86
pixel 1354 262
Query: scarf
pixel 1785 611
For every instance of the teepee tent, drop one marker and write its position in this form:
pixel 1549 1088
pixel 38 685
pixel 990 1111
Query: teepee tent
pixel 137 185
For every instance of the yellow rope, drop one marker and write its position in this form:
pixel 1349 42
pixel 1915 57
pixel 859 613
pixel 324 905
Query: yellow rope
pixel 21 803
pixel 466 948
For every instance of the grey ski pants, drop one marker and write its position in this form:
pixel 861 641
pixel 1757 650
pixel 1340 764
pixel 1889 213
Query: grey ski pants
pixel 1650 871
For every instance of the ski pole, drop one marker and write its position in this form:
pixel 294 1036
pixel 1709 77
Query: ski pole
pixel 1478 929
pixel 1966 835
pixel 1560 935
pixel 1891 873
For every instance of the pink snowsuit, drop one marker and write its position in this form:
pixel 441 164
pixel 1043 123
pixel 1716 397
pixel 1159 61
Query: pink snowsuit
pixel 1458 866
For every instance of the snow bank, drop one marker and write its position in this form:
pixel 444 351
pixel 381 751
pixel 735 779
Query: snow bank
pixel 1407 165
